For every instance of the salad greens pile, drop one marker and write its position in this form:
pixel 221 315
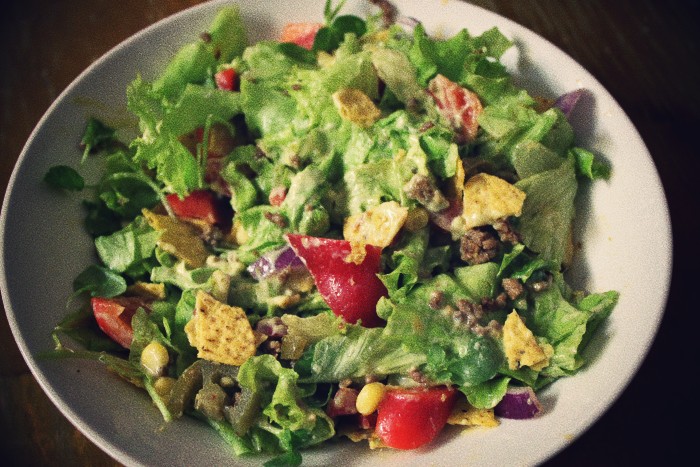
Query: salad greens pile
pixel 267 179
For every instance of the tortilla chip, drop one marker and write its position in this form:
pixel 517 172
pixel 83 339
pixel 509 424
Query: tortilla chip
pixel 521 346
pixel 178 238
pixel 465 414
pixel 487 198
pixel 377 226
pixel 221 333
pixel 148 290
pixel 355 106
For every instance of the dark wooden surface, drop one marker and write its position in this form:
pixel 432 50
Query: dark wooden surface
pixel 645 53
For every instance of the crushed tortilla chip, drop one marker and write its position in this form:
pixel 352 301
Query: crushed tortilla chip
pixel 358 435
pixel 455 184
pixel 376 226
pixel 178 238
pixel 521 346
pixel 465 414
pixel 357 253
pixel 487 198
pixel 147 290
pixel 355 106
pixel 220 332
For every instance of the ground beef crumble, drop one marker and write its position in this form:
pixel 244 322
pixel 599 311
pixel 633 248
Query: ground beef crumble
pixel 506 232
pixel 492 304
pixel 478 246
pixel 513 287
pixel 493 329
pixel 468 312
pixel 423 190
pixel 436 299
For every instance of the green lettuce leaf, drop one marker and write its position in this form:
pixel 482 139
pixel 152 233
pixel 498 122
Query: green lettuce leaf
pixel 454 354
pixel 548 211
pixel 283 411
pixel 194 62
pixel 357 353
pixel 130 249
pixel 564 324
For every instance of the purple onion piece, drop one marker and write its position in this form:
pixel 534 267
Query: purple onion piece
pixel 567 102
pixel 260 268
pixel 287 258
pixel 274 261
pixel 408 21
pixel 272 327
pixel 343 403
pixel 518 403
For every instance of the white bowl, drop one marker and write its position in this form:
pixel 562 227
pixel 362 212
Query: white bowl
pixel 44 247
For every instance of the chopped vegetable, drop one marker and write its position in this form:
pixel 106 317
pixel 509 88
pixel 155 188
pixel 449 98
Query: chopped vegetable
pixel 519 403
pixel 113 316
pixel 226 79
pixel 369 398
pixel 301 34
pixel 154 358
pixel 460 107
pixel 411 418
pixel 200 204
pixel 567 102
pixel 351 289
pixel 274 261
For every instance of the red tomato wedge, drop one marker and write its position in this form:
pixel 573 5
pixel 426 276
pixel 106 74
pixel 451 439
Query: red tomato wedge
pixel 411 418
pixel 351 290
pixel 458 105
pixel 200 204
pixel 226 79
pixel 301 34
pixel 113 316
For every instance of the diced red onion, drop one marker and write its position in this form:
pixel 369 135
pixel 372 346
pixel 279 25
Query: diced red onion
pixel 567 102
pixel 367 422
pixel 343 402
pixel 272 327
pixel 274 261
pixel 518 403
pixel 444 218
pixel 408 21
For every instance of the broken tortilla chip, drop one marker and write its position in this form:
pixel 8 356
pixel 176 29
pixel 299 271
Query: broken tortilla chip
pixel 178 238
pixel 220 332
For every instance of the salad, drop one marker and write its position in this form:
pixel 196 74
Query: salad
pixel 356 230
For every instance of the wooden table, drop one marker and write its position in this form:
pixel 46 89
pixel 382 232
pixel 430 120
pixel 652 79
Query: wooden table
pixel 645 53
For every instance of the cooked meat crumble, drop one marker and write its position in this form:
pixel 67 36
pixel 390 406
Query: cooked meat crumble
pixel 478 246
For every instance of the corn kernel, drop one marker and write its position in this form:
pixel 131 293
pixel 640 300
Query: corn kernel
pixel 238 233
pixel 163 385
pixel 417 219
pixel 369 398
pixel 154 358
